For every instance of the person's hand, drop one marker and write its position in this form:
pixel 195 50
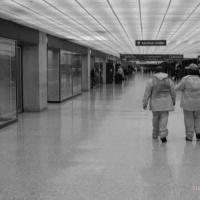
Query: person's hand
pixel 144 106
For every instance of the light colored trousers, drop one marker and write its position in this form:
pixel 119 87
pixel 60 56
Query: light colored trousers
pixel 160 120
pixel 192 123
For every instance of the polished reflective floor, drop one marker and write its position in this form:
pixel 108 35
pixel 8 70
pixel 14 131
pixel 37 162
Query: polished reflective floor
pixel 98 146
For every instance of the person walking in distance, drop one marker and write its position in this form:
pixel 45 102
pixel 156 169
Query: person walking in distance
pixel 190 101
pixel 160 94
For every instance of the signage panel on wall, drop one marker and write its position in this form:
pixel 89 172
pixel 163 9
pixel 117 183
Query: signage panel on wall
pixel 151 57
pixel 110 57
pixel 150 43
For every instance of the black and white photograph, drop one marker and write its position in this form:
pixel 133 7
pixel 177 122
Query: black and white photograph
pixel 99 99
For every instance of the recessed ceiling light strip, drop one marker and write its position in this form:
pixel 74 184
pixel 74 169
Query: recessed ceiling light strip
pixel 47 18
pixel 65 15
pixel 183 42
pixel 74 20
pixel 12 16
pixel 15 18
pixel 154 49
pixel 141 26
pixel 189 47
pixel 187 18
pixel 175 46
pixel 57 22
pixel 169 4
pixel 120 23
pixel 140 11
pixel 191 34
pixel 114 37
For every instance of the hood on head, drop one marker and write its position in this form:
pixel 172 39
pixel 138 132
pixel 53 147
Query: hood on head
pixel 161 75
pixel 192 66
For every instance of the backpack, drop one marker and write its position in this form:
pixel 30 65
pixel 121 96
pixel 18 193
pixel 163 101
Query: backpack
pixel 161 88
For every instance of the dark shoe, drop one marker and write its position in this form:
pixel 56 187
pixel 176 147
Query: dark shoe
pixel 188 139
pixel 198 136
pixel 164 140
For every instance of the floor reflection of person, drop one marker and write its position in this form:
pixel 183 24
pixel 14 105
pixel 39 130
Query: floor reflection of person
pixel 119 77
pixel 188 179
pixel 157 177
pixel 92 74
pixel 121 72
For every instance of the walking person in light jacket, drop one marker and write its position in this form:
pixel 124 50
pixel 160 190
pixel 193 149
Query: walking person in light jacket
pixel 190 101
pixel 160 94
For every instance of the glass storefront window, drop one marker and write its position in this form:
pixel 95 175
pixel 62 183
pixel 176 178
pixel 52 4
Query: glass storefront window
pixel 64 75
pixel 70 67
pixel 8 111
pixel 53 76
pixel 76 68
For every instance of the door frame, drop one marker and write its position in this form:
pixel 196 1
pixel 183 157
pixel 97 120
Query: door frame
pixel 19 78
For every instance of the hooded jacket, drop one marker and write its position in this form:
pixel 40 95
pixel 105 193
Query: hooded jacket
pixel 160 93
pixel 190 87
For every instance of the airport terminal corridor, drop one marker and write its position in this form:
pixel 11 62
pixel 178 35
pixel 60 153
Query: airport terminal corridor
pixel 98 146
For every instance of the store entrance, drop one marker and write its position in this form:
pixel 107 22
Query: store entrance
pixel 19 79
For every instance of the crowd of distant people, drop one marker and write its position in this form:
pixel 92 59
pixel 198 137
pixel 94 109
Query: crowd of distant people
pixel 120 74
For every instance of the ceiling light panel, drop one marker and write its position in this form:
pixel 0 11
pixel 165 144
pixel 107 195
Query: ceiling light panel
pixel 47 18
pixel 32 16
pixel 77 11
pixel 110 25
pixel 39 7
pixel 177 14
pixel 113 25
pixel 152 12
pixel 71 8
pixel 181 18
pixel 81 12
pixel 128 14
pixel 181 33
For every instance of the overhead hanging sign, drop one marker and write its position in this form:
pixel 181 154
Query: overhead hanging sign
pixel 110 57
pixel 151 57
pixel 150 43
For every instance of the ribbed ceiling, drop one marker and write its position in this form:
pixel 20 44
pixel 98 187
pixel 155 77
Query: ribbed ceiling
pixel 113 26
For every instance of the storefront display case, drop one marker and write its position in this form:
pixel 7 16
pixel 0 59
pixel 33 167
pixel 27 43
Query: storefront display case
pixel 64 75
pixel 8 110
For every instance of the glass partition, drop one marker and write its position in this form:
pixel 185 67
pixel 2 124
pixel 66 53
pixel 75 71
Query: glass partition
pixel 76 68
pixel 53 76
pixel 65 74
pixel 98 73
pixel 8 111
